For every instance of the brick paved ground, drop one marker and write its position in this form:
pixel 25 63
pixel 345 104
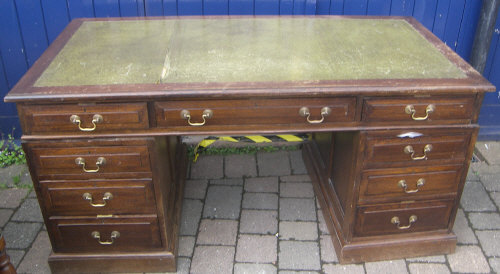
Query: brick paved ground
pixel 258 214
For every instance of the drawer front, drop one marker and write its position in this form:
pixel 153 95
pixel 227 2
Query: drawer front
pixel 409 183
pixel 90 161
pixel 426 149
pixel 53 119
pixel 105 234
pixel 98 197
pixel 402 218
pixel 419 110
pixel 256 112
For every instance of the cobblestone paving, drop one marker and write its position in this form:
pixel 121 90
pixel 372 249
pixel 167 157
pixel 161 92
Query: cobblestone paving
pixel 258 214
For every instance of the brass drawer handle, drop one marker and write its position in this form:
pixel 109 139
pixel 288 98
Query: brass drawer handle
pixel 75 119
pixel 420 183
pixel 411 220
pixel 410 109
pixel 409 150
pixel 100 162
pixel 304 112
pixel 207 114
pixel 114 235
pixel 106 197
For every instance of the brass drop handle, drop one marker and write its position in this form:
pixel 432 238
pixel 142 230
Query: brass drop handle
pixel 409 150
pixel 207 114
pixel 97 235
pixel 420 183
pixel 411 220
pixel 75 119
pixel 410 109
pixel 100 162
pixel 304 112
pixel 106 197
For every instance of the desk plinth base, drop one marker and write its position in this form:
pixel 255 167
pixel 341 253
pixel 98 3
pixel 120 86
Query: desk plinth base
pixel 370 248
pixel 98 263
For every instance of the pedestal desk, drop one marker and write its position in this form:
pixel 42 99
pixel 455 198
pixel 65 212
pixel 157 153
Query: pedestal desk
pixel 392 111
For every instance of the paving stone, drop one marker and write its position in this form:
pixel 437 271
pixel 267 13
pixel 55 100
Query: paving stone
pixel 495 264
pixel 15 256
pixel 241 268
pixel 19 172
pixel 323 229
pixel 260 201
pixel 261 184
pixel 259 221
pixel 223 202
pixel 297 163
pixel 237 166
pixel 213 259
pixel 318 205
pixel 428 268
pixel 190 216
pixel 35 261
pixel 491 182
pixel 297 190
pixel 301 231
pixel 186 246
pixel 485 220
pixel 475 198
pixel 297 272
pixel 490 241
pixel 496 197
pixel 428 259
pixel 296 178
pixel 327 250
pixel 490 151
pixel 12 197
pixel 386 267
pixel 484 168
pixel 195 189
pixel 217 232
pixel 461 228
pixel 273 163
pixel 32 194
pixel 227 181
pixel 468 259
pixel 28 212
pixel 5 215
pixel 208 167
pixel 299 255
pixel 256 249
pixel 343 269
pixel 295 209
pixel 183 265
pixel 20 235
pixel 472 175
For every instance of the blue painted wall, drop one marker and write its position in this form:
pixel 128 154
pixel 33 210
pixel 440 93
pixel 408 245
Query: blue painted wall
pixel 27 27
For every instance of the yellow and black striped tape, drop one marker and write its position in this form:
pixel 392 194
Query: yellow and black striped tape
pixel 248 139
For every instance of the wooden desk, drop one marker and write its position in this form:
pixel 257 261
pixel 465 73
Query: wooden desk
pixel 393 113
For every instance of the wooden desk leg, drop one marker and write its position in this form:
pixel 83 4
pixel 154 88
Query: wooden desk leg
pixel 6 266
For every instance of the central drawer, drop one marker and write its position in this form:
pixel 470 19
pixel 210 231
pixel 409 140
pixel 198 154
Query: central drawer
pixel 127 196
pixel 138 233
pixel 255 112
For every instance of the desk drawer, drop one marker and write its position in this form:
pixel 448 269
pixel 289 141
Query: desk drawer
pixel 137 233
pixel 73 160
pixel 402 218
pixel 427 147
pixel 134 196
pixel 53 119
pixel 409 183
pixel 419 110
pixel 255 111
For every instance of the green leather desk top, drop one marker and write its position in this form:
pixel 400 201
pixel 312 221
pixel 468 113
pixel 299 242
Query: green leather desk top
pixel 247 49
